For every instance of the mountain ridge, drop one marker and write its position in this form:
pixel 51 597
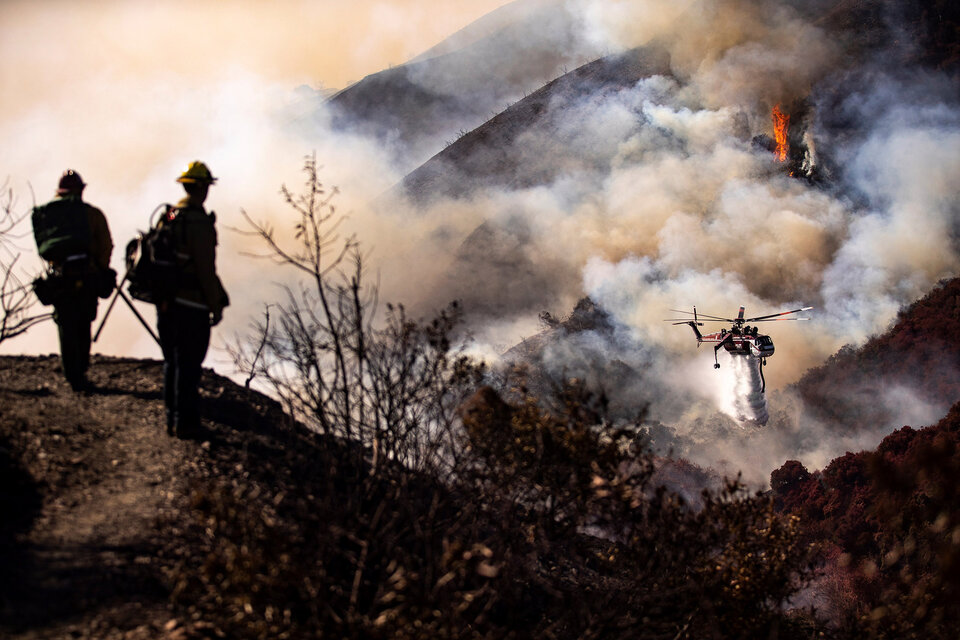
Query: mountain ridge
pixel 485 154
pixel 418 107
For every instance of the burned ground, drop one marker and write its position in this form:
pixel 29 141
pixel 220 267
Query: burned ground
pixel 94 494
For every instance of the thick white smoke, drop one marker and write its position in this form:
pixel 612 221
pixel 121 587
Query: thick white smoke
pixel 686 210
pixel 250 137
pixel 128 94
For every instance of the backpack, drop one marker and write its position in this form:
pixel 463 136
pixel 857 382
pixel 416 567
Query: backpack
pixel 61 229
pixel 152 267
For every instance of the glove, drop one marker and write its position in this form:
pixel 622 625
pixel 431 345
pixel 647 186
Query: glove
pixel 215 317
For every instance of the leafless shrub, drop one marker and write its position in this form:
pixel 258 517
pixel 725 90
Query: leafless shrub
pixel 392 389
pixel 553 529
pixel 17 314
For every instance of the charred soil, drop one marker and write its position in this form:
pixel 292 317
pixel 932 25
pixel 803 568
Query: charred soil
pixel 94 495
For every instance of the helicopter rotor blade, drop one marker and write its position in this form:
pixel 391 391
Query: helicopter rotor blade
pixel 701 315
pixel 776 315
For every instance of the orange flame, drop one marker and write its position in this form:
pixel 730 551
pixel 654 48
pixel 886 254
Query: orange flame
pixel 781 122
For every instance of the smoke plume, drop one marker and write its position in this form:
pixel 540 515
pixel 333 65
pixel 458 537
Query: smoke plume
pixel 681 206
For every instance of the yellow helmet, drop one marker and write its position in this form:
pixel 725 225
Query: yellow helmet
pixel 197 172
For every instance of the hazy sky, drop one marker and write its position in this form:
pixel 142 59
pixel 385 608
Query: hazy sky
pixel 329 43
pixel 128 92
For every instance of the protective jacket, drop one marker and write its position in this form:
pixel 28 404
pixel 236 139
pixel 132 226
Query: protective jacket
pixel 101 243
pixel 198 285
pixel 78 284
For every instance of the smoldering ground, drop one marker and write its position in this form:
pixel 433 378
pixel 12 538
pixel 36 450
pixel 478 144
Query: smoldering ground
pixel 679 207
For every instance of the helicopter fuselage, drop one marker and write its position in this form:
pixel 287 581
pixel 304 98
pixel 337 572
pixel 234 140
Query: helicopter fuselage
pixel 745 342
pixel 736 341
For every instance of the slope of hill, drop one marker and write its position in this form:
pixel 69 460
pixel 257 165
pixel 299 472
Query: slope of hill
pixel 590 333
pixel 464 80
pixel 260 529
pixel 889 526
pixel 263 530
pixel 513 148
pixel 524 145
pixel 918 357
pixel 420 106
pixel 494 272
pixel 96 496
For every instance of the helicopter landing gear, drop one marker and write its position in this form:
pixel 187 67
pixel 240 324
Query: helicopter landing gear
pixel 716 349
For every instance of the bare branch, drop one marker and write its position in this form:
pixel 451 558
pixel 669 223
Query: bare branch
pixel 16 294
pixel 389 389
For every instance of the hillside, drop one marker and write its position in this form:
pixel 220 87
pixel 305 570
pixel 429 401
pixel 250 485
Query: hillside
pixel 530 143
pixel 262 530
pixel 462 82
pixel 887 522
pixel 918 357
pixel 420 106
pixel 527 144
pixel 496 271
pixel 97 498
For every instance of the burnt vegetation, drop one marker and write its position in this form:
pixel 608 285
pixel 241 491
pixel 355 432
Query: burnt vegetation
pixel 888 527
pixel 422 502
pixel 921 352
pixel 430 504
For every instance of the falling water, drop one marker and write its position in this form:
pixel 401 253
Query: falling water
pixel 749 402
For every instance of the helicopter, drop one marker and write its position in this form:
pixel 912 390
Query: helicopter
pixel 741 339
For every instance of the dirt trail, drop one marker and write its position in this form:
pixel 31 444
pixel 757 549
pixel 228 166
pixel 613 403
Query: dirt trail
pixel 88 480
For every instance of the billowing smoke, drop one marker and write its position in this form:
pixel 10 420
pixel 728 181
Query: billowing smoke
pixel 665 197
pixel 657 195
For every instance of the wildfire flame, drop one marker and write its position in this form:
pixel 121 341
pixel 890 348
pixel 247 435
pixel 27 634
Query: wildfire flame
pixel 781 122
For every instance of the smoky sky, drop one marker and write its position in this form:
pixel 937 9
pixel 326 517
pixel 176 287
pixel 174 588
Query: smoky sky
pixel 128 93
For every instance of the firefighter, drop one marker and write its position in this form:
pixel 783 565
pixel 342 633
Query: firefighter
pixel 74 238
pixel 185 318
